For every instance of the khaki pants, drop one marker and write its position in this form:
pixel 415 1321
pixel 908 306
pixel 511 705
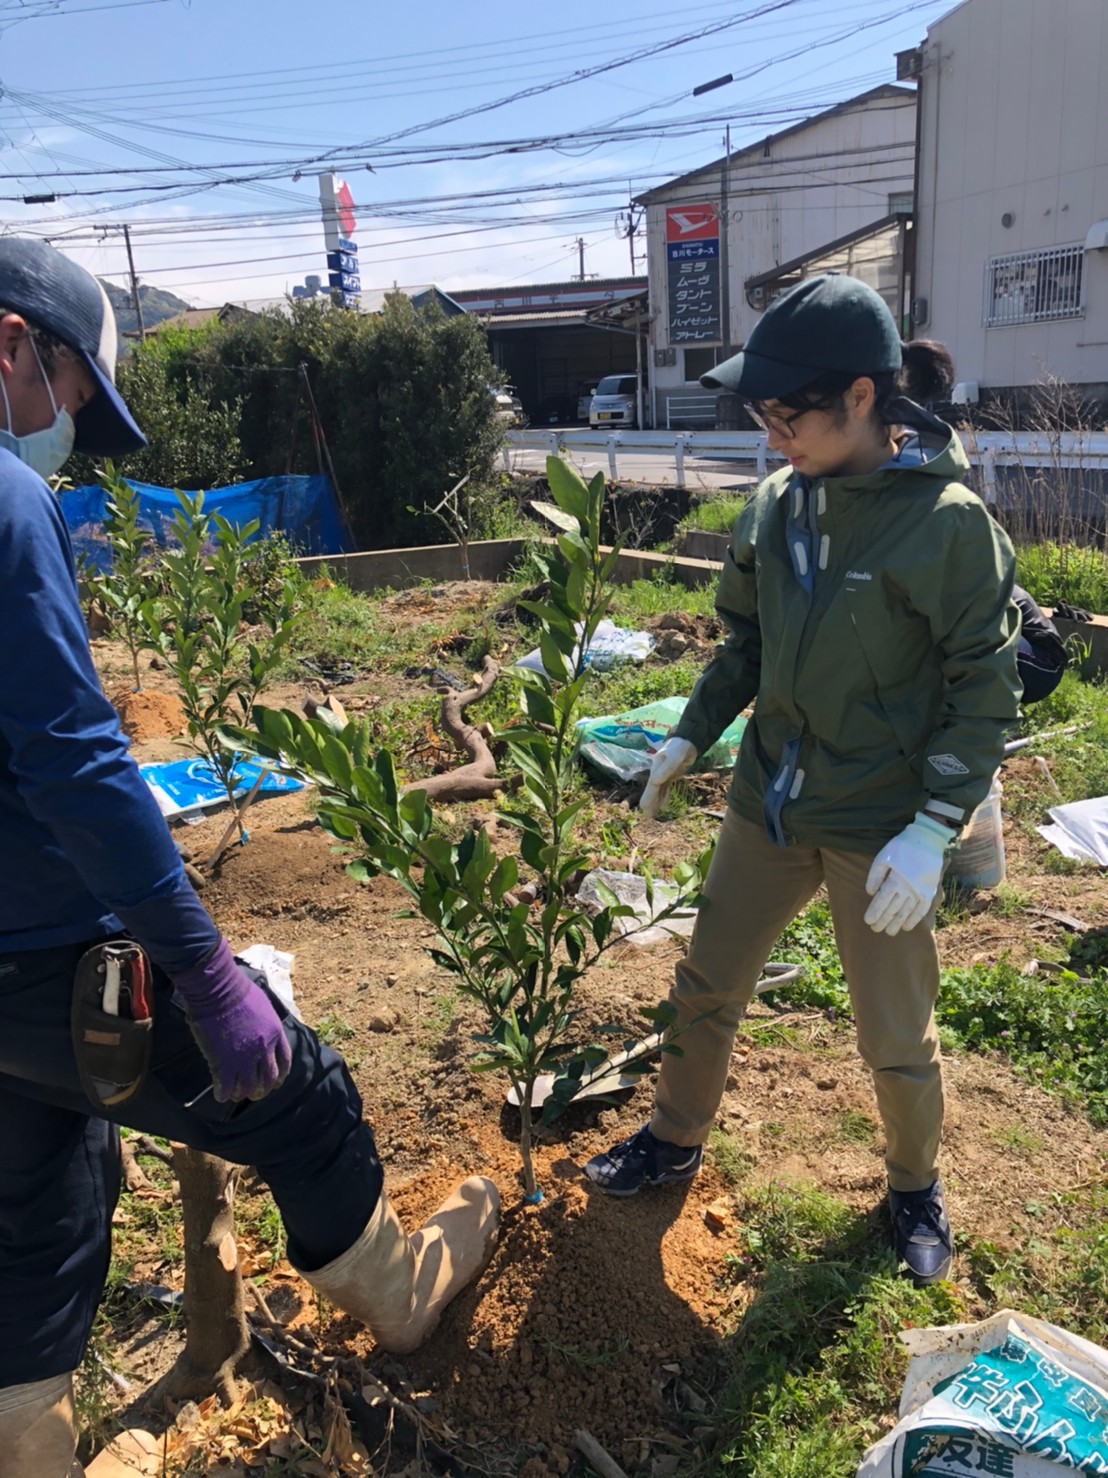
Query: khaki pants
pixel 753 891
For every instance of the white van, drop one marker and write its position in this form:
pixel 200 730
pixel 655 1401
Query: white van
pixel 616 402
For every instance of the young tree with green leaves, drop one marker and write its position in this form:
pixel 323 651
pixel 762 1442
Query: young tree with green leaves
pixel 520 963
pixel 123 591
pixel 220 665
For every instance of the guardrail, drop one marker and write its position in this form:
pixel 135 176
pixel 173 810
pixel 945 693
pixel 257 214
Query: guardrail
pixel 985 449
pixel 745 446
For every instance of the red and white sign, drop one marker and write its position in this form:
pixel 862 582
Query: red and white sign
pixel 344 202
pixel 692 222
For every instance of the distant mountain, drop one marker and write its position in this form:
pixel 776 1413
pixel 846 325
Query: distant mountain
pixel 157 304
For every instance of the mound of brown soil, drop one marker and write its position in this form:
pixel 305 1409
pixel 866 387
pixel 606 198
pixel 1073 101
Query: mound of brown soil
pixel 148 715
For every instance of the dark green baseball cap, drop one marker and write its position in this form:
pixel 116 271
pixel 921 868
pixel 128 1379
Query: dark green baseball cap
pixel 830 322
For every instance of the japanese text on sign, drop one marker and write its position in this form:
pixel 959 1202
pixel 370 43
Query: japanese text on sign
pixel 692 271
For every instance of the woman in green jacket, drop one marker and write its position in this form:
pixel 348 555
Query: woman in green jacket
pixel 866 595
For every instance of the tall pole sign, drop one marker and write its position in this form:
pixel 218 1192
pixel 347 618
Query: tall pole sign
pixel 693 278
pixel 339 225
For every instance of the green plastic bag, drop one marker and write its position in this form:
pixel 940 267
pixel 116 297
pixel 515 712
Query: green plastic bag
pixel 622 744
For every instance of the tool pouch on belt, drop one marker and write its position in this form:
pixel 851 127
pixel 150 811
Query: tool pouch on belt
pixel 112 1021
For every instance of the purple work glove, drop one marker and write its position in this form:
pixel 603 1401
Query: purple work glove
pixel 235 1026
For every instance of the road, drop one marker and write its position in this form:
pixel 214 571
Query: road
pixel 643 464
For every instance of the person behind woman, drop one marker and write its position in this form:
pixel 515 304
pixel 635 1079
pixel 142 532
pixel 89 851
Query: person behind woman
pixel 867 599
pixel 928 378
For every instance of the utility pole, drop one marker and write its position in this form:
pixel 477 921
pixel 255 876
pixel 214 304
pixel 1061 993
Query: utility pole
pixel 580 244
pixel 134 284
pixel 724 244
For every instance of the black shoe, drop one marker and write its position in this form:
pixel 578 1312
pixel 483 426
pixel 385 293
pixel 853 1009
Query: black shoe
pixel 922 1238
pixel 643 1160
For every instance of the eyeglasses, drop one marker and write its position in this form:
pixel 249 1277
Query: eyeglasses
pixel 777 424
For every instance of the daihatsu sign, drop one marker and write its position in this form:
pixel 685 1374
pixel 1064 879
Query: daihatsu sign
pixel 339 226
pixel 692 268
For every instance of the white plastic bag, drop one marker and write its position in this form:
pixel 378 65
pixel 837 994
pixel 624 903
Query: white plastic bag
pixel 1080 830
pixel 978 860
pixel 630 889
pixel 611 644
pixel 276 965
pixel 1012 1396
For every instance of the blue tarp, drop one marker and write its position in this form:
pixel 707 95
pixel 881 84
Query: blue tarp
pixel 303 508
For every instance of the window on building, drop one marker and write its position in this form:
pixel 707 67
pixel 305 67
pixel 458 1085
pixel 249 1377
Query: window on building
pixel 698 362
pixel 901 203
pixel 1029 286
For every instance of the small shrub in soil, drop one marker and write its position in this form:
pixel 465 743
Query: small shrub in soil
pixel 517 949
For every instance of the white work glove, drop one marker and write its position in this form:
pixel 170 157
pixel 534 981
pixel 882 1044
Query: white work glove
pixel 669 762
pixel 905 876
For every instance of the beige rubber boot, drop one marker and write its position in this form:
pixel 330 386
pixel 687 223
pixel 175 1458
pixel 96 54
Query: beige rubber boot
pixel 38 1429
pixel 399 1285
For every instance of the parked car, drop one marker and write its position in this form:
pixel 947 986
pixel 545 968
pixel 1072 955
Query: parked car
pixel 585 391
pixel 509 407
pixel 616 402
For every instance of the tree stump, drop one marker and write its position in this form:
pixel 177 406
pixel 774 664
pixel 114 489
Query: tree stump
pixel 217 1343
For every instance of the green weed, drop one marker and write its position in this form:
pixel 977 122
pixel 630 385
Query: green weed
pixel 1075 573
pixel 853 1126
pixel 729 1156
pixel 332 1030
pixel 1019 1141
pixel 581 1359
pixel 1010 900
pixel 1089 951
pixel 810 941
pixel 815 1363
pixel 714 514
pixel 1053 1029
pixel 643 598
pixel 94 1391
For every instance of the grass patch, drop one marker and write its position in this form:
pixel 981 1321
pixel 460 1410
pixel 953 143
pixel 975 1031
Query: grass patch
pixel 852 1126
pixel 816 1367
pixel 1075 573
pixel 1078 762
pixel 1016 1140
pixel 643 598
pixel 633 684
pixel 810 941
pixel 1053 1030
pixel 713 515
pixel 730 1156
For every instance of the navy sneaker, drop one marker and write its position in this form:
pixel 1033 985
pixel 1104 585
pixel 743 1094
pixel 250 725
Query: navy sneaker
pixel 643 1160
pixel 922 1237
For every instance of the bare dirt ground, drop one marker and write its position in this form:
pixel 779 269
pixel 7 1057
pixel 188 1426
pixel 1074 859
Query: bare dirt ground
pixel 600 1314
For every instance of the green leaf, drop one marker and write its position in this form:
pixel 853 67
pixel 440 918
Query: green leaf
pixel 567 488
pixel 557 517
pixel 503 879
pixel 553 659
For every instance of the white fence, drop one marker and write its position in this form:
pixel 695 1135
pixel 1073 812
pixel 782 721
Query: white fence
pixel 985 449
pixel 732 446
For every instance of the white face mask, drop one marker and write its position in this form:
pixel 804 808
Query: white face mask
pixel 45 451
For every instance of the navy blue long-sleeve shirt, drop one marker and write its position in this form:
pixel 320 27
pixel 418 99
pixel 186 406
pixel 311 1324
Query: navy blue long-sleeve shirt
pixel 84 849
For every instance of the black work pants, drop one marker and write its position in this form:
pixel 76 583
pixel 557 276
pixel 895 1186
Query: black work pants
pixel 59 1156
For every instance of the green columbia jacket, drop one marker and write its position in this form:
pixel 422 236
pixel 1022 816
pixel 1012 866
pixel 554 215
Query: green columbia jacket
pixel 872 619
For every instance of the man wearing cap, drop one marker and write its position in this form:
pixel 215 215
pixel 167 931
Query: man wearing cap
pixel 86 857
pixel 866 596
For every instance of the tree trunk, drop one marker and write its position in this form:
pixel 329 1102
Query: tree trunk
pixel 217 1341
pixel 478 779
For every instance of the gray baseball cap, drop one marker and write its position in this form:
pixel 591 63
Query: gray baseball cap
pixel 830 322
pixel 42 285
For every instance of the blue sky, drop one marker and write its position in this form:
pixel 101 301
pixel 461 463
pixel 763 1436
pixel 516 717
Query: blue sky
pixel 235 88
